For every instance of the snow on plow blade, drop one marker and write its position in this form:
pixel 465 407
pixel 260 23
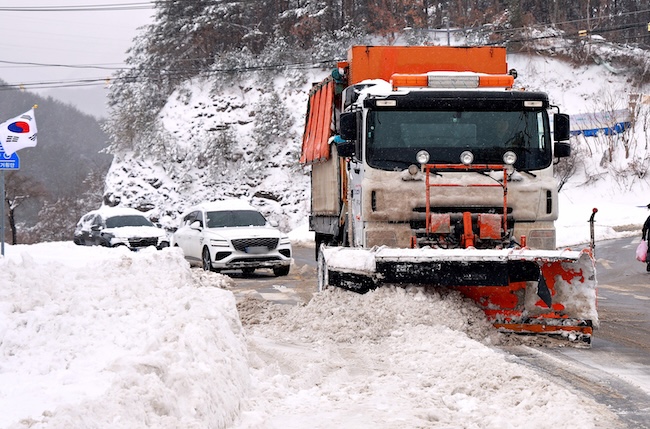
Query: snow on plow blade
pixel 520 290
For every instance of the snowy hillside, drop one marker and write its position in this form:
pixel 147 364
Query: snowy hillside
pixel 610 170
pixel 239 141
pixel 243 139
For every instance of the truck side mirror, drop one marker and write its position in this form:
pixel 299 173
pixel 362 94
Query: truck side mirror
pixel 347 141
pixel 561 127
pixel 348 126
pixel 561 150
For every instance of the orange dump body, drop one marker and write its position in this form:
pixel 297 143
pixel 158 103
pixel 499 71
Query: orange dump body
pixel 381 62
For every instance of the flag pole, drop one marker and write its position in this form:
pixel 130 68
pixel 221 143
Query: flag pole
pixel 2 213
pixel 15 134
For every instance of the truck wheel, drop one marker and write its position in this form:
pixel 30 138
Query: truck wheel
pixel 206 260
pixel 326 239
pixel 323 279
pixel 318 239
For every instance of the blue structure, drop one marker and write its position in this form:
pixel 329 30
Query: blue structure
pixel 607 123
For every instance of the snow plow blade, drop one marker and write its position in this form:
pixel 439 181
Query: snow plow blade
pixel 520 290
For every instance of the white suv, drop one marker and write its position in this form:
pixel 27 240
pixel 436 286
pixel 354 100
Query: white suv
pixel 230 234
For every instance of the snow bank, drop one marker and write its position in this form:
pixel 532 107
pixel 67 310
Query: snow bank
pixel 113 338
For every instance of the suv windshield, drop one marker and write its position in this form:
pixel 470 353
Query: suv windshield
pixel 128 220
pixel 395 136
pixel 222 219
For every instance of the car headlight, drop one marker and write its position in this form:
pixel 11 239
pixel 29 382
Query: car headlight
pixel 467 157
pixel 219 242
pixel 285 240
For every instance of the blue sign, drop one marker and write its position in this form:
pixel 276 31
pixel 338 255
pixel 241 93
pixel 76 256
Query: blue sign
pixel 9 162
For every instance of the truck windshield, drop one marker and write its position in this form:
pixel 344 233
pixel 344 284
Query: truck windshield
pixel 393 137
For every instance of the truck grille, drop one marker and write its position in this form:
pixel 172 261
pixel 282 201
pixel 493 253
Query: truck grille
pixel 243 243
pixel 143 242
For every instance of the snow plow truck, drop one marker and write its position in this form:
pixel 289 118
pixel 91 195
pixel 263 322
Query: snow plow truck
pixel 429 168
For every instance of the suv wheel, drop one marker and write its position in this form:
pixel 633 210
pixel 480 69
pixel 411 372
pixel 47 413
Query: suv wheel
pixel 205 258
pixel 282 270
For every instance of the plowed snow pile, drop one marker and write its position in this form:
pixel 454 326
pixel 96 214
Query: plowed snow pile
pixel 394 358
pixel 108 338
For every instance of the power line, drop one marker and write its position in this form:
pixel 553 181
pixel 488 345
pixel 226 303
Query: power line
pixel 186 71
pixel 72 66
pixel 80 8
pixel 98 7
pixel 144 75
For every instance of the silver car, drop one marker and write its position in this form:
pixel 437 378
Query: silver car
pixel 231 234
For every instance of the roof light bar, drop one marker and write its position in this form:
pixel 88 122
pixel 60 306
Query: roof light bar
pixel 452 80
pixel 409 80
pixel 497 81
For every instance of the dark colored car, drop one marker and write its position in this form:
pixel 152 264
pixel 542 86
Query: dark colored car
pixel 118 226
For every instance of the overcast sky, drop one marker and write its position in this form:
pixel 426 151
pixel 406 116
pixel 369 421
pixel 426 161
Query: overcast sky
pixel 68 38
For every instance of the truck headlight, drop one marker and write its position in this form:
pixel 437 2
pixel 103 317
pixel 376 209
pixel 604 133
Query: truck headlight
pixel 467 157
pixel 509 158
pixel 422 157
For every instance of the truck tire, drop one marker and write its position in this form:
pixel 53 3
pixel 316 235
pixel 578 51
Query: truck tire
pixel 323 280
pixel 319 239
pixel 326 239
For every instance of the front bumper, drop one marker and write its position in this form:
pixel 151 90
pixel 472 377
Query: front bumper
pixel 234 259
pixel 137 243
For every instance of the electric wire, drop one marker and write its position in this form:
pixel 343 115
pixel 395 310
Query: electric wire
pixel 80 8
pixel 171 73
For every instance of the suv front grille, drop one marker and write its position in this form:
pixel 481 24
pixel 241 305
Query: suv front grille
pixel 143 242
pixel 243 243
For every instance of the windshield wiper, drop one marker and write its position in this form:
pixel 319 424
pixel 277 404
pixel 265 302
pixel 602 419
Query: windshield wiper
pixel 393 164
pixel 527 172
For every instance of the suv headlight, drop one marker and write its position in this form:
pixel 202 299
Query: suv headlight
pixel 219 242
pixel 285 240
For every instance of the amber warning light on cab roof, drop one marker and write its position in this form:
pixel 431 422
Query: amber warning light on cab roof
pixel 452 80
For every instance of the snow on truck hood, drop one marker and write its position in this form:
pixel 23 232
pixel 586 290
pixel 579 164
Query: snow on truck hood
pixel 362 259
